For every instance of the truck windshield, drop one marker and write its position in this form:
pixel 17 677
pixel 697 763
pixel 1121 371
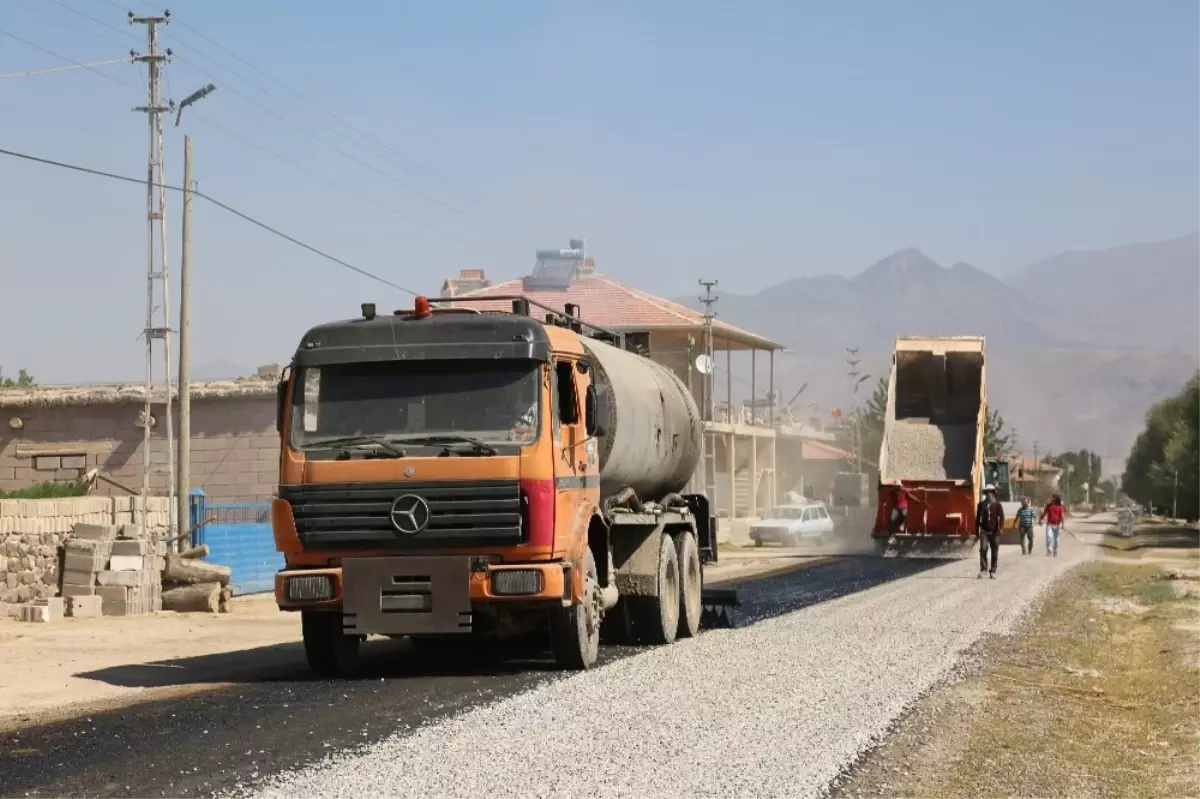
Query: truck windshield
pixel 997 474
pixel 488 401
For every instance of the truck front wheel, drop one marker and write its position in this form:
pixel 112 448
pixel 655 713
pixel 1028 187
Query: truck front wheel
pixel 656 619
pixel 330 652
pixel 576 630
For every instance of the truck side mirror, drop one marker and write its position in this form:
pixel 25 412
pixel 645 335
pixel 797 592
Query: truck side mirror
pixel 595 412
pixel 280 403
pixel 589 411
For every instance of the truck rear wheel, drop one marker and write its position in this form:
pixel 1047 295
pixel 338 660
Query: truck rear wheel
pixel 656 619
pixel 690 584
pixel 330 652
pixel 575 631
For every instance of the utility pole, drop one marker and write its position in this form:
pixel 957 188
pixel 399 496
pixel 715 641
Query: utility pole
pixel 855 381
pixel 708 444
pixel 184 470
pixel 156 267
pixel 709 300
pixel 1036 471
pixel 1175 498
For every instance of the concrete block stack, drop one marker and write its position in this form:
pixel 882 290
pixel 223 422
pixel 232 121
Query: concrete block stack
pixel 132 583
pixel 122 566
pixel 33 532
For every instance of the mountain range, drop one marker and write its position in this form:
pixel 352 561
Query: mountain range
pixel 1079 345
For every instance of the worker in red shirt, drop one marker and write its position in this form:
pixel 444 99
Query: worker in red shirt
pixel 1054 514
pixel 900 498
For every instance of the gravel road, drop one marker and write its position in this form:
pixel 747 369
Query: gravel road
pixel 283 719
pixel 779 708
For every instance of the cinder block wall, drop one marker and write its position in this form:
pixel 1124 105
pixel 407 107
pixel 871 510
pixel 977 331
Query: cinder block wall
pixel 235 449
pixel 32 530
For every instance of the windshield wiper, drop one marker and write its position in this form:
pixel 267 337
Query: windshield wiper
pixel 346 441
pixel 454 438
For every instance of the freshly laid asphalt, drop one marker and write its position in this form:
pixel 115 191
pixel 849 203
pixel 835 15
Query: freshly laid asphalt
pixel 228 738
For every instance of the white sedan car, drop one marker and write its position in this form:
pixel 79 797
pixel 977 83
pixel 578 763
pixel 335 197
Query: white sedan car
pixel 792 524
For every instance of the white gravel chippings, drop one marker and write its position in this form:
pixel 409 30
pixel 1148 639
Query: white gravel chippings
pixel 777 709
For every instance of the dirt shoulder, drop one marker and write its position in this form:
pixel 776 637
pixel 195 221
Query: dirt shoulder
pixel 71 667
pixel 1096 696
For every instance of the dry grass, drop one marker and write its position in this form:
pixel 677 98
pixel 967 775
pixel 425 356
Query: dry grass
pixel 1097 697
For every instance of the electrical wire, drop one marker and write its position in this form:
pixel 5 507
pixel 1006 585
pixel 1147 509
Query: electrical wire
pixel 109 25
pixel 32 72
pixel 302 129
pixel 223 206
pixel 339 150
pixel 449 184
pixel 314 105
pixel 265 150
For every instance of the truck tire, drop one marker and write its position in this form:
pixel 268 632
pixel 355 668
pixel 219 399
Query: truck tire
pixel 330 652
pixel 575 631
pixel 656 619
pixel 691 583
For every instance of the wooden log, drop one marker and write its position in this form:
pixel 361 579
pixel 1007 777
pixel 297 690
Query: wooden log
pixel 195 552
pixel 191 571
pixel 198 598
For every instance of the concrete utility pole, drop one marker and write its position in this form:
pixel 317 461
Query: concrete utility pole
pixel 856 380
pixel 708 443
pixel 1036 471
pixel 184 471
pixel 156 267
pixel 709 300
pixel 1175 498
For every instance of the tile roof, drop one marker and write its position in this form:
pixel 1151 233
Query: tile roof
pixel 611 304
pixel 820 451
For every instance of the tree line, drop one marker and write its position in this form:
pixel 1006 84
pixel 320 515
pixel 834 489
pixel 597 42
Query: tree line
pixel 1163 469
pixel 24 380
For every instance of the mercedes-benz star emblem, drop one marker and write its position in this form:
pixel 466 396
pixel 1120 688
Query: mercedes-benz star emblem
pixel 409 514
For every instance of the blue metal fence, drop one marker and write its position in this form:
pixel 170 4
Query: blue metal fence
pixel 239 536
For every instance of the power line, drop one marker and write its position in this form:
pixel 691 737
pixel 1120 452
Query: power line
pixel 230 209
pixel 110 26
pixel 78 64
pixel 263 149
pixel 469 196
pixel 338 149
pixel 32 72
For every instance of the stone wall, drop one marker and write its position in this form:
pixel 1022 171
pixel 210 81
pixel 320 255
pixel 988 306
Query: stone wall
pixel 235 448
pixel 33 530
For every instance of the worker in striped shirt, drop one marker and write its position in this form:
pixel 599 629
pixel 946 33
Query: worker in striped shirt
pixel 1025 517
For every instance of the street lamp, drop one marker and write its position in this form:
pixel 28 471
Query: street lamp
pixel 195 96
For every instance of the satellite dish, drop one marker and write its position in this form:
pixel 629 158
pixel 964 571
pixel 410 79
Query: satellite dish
pixel 704 364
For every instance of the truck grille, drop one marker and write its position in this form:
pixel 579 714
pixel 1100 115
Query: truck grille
pixel 360 515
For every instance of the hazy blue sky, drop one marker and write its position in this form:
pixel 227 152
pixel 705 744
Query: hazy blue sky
pixel 752 142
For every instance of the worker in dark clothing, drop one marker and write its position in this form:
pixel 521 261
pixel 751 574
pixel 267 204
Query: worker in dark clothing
pixel 989 521
pixel 900 498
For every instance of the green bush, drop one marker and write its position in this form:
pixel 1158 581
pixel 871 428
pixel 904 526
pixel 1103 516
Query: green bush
pixel 71 488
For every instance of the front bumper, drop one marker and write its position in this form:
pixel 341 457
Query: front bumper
pixel 418 595
pixel 768 534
